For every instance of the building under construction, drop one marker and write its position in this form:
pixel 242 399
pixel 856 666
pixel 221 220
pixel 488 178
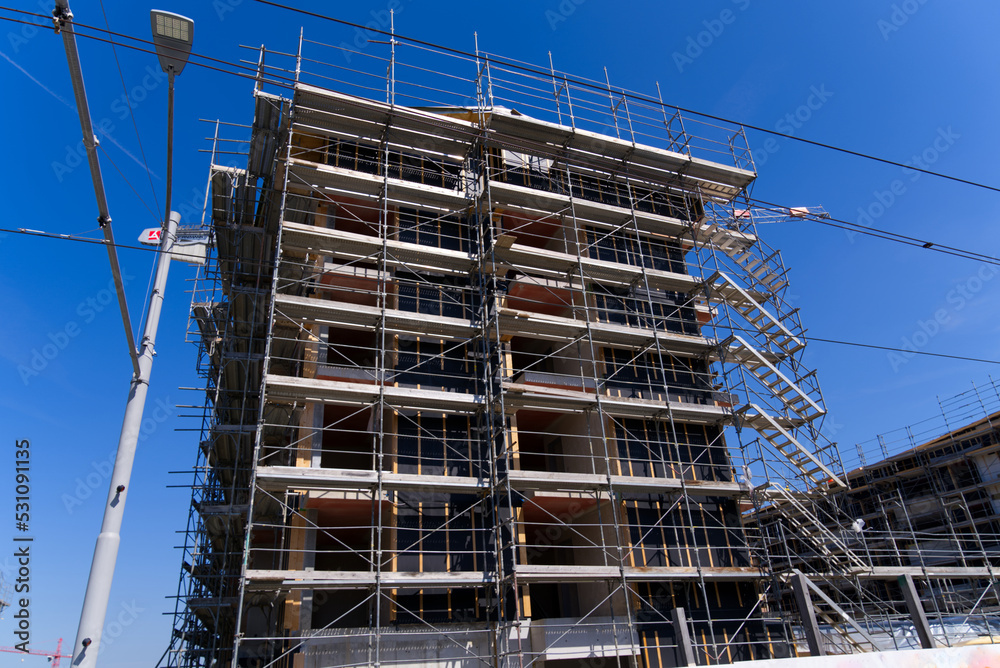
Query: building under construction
pixel 921 505
pixel 497 372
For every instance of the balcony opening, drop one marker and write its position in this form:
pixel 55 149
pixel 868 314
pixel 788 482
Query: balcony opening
pixel 348 438
pixel 557 442
pixel 349 356
pixel 344 542
pixel 355 216
pixel 546 232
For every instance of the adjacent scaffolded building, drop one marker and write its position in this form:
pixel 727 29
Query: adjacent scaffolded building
pixel 471 350
pixel 922 510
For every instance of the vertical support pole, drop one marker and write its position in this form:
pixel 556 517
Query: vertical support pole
pixel 614 107
pixel 555 89
pixel 916 611
pixel 392 59
pixel 102 568
pixel 807 613
pixel 685 650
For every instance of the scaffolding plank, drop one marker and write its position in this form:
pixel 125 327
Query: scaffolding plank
pixel 372 186
pixel 290 580
pixel 349 246
pixel 515 322
pixel 351 111
pixel 555 399
pixel 578 145
pixel 528 574
pixel 280 478
pixel 291 388
pixel 601 271
pixel 597 214
pixel 559 481
pixel 358 316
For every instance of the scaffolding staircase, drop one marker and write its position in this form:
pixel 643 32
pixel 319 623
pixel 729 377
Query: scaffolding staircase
pixel 765 342
pixel 765 271
pixel 778 338
pixel 812 530
pixel 812 470
pixel 796 400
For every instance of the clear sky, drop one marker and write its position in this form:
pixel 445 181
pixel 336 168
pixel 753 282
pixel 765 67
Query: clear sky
pixel 894 78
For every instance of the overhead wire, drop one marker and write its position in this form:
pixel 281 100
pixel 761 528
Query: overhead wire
pixel 833 222
pixel 632 94
pixel 150 249
pixel 278 80
pixel 131 112
pixel 882 234
pixel 285 82
pixel 128 183
pixel 593 85
pixel 142 152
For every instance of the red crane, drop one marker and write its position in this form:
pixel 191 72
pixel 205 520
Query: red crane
pixel 53 656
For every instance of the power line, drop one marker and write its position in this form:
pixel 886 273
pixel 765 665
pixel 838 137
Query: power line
pixel 74 237
pixel 857 344
pixel 492 58
pixel 899 350
pixel 280 81
pixel 637 96
pixel 131 113
pixel 128 183
pixel 275 80
pixel 885 234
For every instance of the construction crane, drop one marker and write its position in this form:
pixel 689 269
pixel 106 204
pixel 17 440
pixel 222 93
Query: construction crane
pixel 53 656
pixel 779 214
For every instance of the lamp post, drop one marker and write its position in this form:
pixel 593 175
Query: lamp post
pixel 172 35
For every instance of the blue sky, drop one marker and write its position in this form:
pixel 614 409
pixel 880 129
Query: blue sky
pixel 896 79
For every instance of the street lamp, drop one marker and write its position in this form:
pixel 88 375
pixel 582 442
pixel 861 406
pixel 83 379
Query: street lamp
pixel 172 35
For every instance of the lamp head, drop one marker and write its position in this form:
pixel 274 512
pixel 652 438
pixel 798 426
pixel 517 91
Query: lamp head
pixel 173 36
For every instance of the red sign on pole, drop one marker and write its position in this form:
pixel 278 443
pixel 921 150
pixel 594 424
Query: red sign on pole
pixel 151 236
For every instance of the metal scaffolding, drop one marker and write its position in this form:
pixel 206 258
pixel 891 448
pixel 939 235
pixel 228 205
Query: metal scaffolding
pixel 918 516
pixel 482 361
